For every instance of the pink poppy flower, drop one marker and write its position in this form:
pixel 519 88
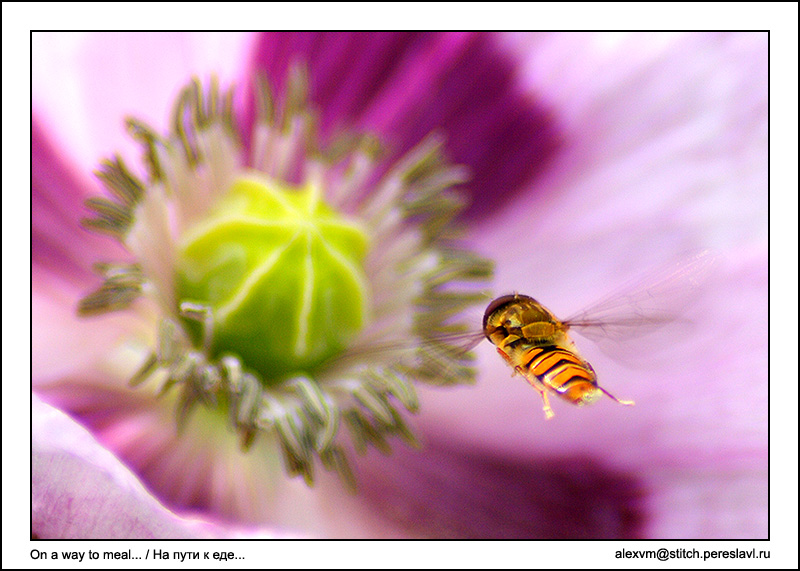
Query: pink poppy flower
pixel 593 157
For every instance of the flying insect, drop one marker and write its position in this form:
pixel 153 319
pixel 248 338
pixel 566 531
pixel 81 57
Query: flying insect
pixel 537 345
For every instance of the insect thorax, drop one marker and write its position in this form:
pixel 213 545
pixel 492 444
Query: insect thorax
pixel 523 318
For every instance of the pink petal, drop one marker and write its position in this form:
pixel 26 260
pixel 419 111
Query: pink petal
pixel 62 254
pixel 60 247
pixel 453 489
pixel 85 84
pixel 62 342
pixel 80 490
pixel 405 85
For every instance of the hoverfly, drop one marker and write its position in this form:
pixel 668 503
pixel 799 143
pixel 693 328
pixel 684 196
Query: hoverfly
pixel 536 344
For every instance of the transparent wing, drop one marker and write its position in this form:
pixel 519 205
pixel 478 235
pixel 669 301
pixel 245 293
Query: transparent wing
pixel 437 348
pixel 456 344
pixel 441 359
pixel 645 304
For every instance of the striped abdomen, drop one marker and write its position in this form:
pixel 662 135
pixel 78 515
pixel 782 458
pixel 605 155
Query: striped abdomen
pixel 558 369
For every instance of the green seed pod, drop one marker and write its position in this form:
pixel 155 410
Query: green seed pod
pixel 282 273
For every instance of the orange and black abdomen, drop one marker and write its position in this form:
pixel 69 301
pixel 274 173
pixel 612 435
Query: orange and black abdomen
pixel 562 371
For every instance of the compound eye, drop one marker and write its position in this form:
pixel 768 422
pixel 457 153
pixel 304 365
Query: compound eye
pixel 501 302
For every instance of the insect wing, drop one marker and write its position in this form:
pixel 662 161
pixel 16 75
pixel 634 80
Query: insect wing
pixel 441 346
pixel 645 304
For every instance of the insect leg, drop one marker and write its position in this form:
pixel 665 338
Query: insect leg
pixel 548 412
pixel 540 388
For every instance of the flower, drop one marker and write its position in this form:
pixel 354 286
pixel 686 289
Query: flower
pixel 574 142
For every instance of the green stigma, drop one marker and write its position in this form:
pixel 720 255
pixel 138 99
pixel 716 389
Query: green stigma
pixel 281 272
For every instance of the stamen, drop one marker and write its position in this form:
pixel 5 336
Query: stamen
pixel 121 286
